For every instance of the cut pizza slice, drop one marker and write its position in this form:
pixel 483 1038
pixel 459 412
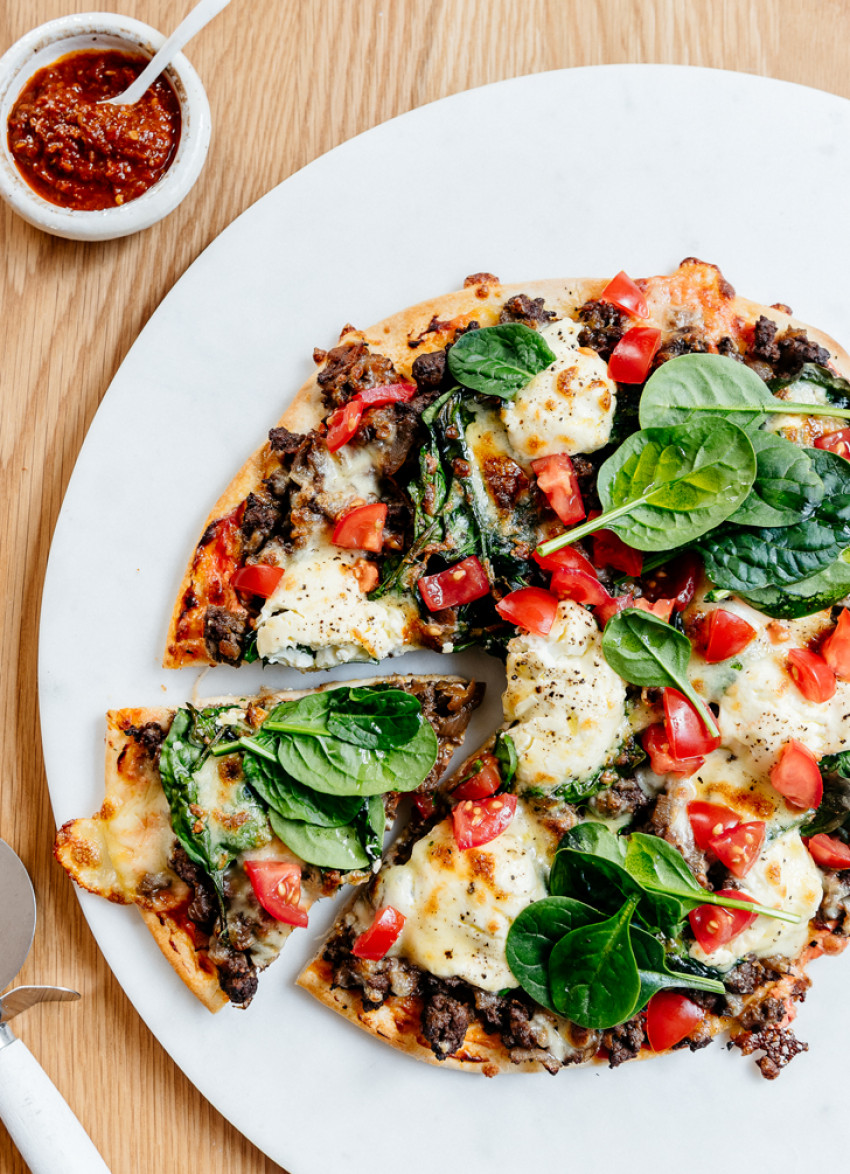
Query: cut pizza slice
pixel 582 894
pixel 403 492
pixel 223 823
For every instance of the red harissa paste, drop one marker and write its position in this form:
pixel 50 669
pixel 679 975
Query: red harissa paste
pixel 83 155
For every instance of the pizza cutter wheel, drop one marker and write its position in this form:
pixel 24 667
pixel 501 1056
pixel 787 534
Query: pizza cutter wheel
pixel 50 1138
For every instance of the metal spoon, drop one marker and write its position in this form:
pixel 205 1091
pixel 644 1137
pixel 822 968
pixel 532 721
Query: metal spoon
pixel 200 16
pixel 50 1138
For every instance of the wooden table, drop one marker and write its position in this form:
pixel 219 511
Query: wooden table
pixel 70 311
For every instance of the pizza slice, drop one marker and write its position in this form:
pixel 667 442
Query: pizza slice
pixel 223 823
pixel 403 492
pixel 582 893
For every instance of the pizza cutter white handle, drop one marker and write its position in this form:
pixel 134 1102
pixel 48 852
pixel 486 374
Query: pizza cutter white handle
pixel 50 1138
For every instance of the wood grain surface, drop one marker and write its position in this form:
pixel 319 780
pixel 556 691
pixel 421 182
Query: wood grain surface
pixel 70 312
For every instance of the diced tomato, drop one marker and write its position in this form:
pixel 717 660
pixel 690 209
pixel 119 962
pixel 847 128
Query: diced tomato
pixel 811 674
pixel 424 805
pixel 361 528
pixel 567 558
pixel 621 291
pixel 278 889
pixel 829 851
pixel 708 820
pixel 479 822
pixel 796 775
pixel 656 743
pixel 724 634
pixel 836 649
pixel 530 608
pixel 676 580
pixel 465 581
pixel 686 730
pixel 578 585
pixel 257 579
pixel 663 608
pixel 739 847
pixel 604 611
pixel 670 1017
pixel 374 942
pixel 611 551
pixel 714 926
pixel 482 783
pixel 386 393
pixel 557 479
pixel 632 356
pixel 838 442
pixel 343 423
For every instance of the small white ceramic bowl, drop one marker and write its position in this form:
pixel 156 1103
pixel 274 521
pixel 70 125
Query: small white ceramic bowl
pixel 102 30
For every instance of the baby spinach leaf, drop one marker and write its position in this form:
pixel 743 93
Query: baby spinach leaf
pixel 504 752
pixel 834 810
pixel 293 800
pixel 666 487
pixel 807 596
pixel 655 975
pixel 746 560
pixel 692 386
pixel 337 847
pixel 786 489
pixel 340 768
pixel 596 840
pixel 533 936
pixel 836 387
pixel 370 824
pixel 377 717
pixel 499 360
pixel 602 881
pixel 593 976
pixel 646 651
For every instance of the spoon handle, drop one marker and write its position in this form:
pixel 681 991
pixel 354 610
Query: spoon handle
pixel 200 15
pixel 50 1138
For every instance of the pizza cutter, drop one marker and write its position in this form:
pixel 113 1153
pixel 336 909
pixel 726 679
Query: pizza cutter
pixel 50 1138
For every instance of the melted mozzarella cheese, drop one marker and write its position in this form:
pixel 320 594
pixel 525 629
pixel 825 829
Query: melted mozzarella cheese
pixel 784 877
pixel 459 905
pixel 568 703
pixel 318 615
pixel 569 407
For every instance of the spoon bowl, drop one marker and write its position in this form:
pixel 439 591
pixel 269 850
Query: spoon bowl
pixel 17 914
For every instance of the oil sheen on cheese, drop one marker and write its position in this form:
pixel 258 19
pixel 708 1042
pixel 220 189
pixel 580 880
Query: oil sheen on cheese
pixel 458 906
pixel 569 705
pixel 569 407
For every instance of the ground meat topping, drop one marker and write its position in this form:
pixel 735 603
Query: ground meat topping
pixel 259 521
pixel 445 1020
pixel 284 441
pixel 203 909
pixel 390 432
pixel 349 368
pixel 224 634
pixel 429 370
pixel 505 481
pixel 786 353
pixel 624 1042
pixel 779 1045
pixel 150 737
pixel 237 975
pixel 528 311
pixel 604 326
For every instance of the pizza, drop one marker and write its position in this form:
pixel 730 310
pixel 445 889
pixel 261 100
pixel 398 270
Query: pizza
pixel 224 831
pixel 637 495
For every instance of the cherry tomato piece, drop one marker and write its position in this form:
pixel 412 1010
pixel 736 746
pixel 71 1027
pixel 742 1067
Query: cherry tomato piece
pixel 670 1018
pixel 739 847
pixel 829 851
pixel 713 926
pixel 557 480
pixel 611 551
pixel 343 424
pixel 836 649
pixel 477 822
pixel 688 735
pixel 676 580
pixel 374 942
pixel 656 743
pixel 708 820
pixel 530 608
pixel 796 775
pixel 567 558
pixel 604 611
pixel 621 291
pixel 578 585
pixel 632 356
pixel 483 783
pixel 811 674
pixel 361 528
pixel 838 442
pixel 424 805
pixel 724 634
pixel 257 579
pixel 278 889
pixel 387 393
pixel 465 581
